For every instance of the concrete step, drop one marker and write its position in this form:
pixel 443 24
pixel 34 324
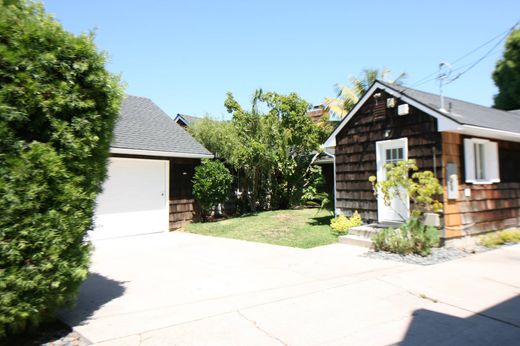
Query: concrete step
pixel 363 231
pixel 355 240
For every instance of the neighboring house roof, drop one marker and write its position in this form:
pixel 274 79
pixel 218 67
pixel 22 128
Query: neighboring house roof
pixel 515 111
pixel 459 116
pixel 143 128
pixel 185 119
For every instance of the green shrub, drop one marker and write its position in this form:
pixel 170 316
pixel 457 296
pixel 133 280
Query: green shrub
pixel 499 238
pixel 58 106
pixel 211 185
pixel 341 224
pixel 411 237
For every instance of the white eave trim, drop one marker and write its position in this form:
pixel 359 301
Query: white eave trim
pixel 485 132
pixel 126 151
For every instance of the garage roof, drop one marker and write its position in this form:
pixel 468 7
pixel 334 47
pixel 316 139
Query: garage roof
pixel 144 129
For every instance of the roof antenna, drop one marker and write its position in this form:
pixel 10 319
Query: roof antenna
pixel 444 73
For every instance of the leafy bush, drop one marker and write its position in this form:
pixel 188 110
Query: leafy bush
pixel 342 224
pixel 211 185
pixel 500 238
pixel 411 237
pixel 420 187
pixel 58 106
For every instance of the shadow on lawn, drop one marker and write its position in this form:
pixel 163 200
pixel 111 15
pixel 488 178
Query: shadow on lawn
pixel 320 220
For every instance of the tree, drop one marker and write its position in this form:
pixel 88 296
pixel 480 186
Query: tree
pixel 273 149
pixel 219 137
pixel 348 96
pixel 58 106
pixel 507 74
pixel 211 185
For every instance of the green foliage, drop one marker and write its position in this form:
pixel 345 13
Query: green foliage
pixel 313 181
pixel 348 96
pixel 219 137
pixel 270 150
pixel 411 237
pixel 301 228
pixel 507 74
pixel 211 185
pixel 420 187
pixel 58 106
pixel 500 238
pixel 341 224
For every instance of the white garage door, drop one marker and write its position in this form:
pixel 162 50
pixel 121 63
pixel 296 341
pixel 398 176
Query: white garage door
pixel 134 199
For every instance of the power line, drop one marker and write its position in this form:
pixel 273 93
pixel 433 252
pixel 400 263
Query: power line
pixel 503 35
pixel 488 53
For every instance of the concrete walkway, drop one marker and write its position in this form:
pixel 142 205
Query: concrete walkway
pixel 186 289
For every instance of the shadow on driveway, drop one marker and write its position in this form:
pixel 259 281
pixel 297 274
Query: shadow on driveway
pixel 498 325
pixel 95 292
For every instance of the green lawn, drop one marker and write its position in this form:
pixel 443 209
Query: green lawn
pixel 303 228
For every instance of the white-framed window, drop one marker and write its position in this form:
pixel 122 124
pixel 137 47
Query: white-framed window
pixel 481 161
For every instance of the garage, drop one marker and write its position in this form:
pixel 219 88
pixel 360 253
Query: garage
pixel 134 198
pixel 140 186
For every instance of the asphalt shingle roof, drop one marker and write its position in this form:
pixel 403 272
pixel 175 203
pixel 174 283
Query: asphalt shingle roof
pixel 463 112
pixel 142 125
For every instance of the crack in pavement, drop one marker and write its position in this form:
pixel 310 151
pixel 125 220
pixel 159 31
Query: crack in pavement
pixel 438 301
pixel 261 329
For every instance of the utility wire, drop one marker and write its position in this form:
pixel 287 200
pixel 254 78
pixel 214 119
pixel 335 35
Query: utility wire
pixel 503 36
pixel 489 52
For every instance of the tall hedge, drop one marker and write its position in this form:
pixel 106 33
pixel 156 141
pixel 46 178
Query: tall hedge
pixel 58 106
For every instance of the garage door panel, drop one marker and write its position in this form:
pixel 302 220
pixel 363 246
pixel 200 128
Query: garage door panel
pixel 134 199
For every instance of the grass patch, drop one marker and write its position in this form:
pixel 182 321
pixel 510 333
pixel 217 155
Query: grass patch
pixel 500 238
pixel 303 228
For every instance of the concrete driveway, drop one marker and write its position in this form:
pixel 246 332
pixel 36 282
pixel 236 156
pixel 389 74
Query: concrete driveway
pixel 186 289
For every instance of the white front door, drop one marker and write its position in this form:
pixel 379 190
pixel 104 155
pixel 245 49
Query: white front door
pixel 134 199
pixel 391 151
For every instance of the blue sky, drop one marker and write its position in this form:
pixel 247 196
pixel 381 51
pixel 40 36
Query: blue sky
pixel 185 55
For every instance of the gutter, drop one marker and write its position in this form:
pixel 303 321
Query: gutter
pixel 126 151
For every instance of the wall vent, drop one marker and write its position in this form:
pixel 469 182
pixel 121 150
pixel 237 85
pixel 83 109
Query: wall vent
pixel 390 102
pixel 403 109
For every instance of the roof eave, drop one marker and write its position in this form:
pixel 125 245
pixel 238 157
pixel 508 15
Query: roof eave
pixel 158 153
pixel 445 123
pixel 471 130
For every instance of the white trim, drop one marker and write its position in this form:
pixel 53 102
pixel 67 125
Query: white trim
pixel 158 153
pixel 334 183
pixel 492 161
pixel 444 123
pixel 380 165
pixel 471 130
pixel 181 118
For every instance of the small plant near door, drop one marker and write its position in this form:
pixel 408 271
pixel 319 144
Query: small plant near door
pixel 341 224
pixel 403 180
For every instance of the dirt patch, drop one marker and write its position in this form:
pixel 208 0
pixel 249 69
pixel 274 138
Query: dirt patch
pixel 276 232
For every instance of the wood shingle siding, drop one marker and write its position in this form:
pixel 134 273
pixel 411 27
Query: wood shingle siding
pixel 356 151
pixel 182 203
pixel 491 206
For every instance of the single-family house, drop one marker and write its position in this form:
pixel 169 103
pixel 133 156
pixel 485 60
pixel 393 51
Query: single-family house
pixel 152 162
pixel 473 150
